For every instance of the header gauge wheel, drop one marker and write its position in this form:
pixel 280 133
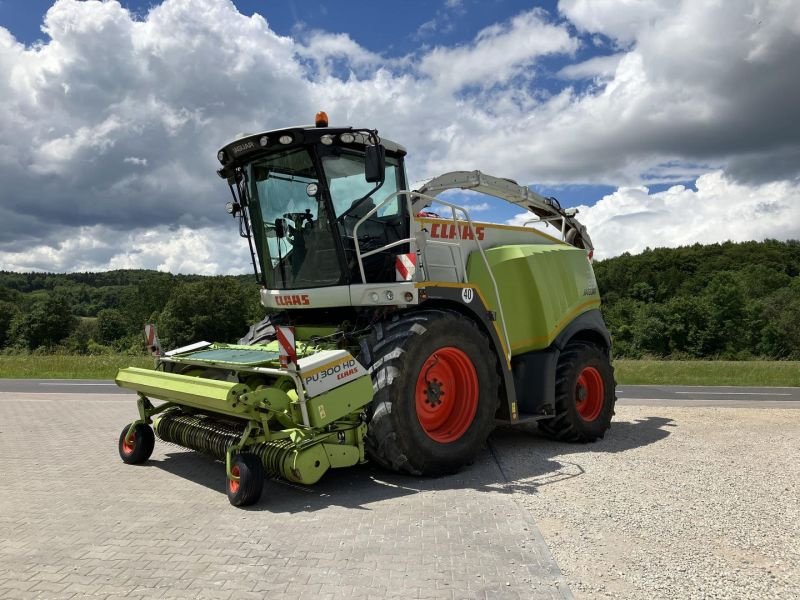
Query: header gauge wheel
pixel 136 448
pixel 436 383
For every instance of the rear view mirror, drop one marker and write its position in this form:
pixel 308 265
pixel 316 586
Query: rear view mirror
pixel 375 164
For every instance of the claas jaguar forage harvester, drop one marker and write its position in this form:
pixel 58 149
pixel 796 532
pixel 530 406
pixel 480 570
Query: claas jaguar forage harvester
pixel 399 330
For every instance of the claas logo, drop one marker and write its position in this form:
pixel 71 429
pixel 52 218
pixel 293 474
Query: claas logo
pixel 293 300
pixel 449 232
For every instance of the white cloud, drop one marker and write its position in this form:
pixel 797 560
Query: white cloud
pixel 620 19
pixel 114 121
pixel 497 54
pixel 599 66
pixel 177 250
pixel 632 219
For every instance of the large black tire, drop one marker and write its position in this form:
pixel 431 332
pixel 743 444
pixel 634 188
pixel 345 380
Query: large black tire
pixel 247 490
pixel 139 448
pixel 585 394
pixel 262 332
pixel 451 350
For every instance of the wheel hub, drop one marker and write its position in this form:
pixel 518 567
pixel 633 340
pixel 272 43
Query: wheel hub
pixel 446 394
pixel 434 393
pixel 589 394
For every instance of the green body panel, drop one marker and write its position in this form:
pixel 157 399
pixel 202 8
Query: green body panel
pixel 542 289
pixel 341 455
pixel 306 466
pixel 209 394
pixel 339 402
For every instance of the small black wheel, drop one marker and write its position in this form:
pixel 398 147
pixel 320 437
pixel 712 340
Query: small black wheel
pixel 247 490
pixel 585 394
pixel 138 448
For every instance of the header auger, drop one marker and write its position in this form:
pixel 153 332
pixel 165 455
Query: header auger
pixel 399 329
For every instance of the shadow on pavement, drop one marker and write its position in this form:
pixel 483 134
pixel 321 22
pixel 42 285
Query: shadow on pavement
pixel 517 459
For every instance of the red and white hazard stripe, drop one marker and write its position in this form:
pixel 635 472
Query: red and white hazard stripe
pixel 287 351
pixel 151 339
pixel 405 266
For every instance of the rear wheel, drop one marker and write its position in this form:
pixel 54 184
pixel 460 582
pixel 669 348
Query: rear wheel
pixel 585 394
pixel 136 448
pixel 436 385
pixel 245 490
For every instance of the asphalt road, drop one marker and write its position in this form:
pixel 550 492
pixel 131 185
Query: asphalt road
pixel 661 395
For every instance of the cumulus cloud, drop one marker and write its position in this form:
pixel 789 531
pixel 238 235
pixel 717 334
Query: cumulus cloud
pixel 111 124
pixel 498 53
pixel 622 20
pixel 177 250
pixel 632 219
pixel 599 66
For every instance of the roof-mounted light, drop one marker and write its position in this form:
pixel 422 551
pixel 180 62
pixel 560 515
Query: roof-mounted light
pixel 347 138
pixel 321 120
pixel 326 139
pixel 285 139
pixel 221 156
pixel 264 140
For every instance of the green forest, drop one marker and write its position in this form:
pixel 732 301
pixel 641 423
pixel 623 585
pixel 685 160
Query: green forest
pixel 104 313
pixel 728 301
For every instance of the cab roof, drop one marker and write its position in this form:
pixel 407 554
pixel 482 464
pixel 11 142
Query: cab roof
pixel 249 146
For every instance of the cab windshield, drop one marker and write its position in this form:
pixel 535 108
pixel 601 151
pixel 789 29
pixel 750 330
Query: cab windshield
pixel 297 245
pixel 344 173
pixel 304 222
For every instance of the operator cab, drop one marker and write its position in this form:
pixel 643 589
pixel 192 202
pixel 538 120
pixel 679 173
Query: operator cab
pixel 299 193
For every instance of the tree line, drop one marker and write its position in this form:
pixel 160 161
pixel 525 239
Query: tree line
pixel 99 313
pixel 732 301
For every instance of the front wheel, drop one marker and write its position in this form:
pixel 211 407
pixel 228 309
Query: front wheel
pixel 585 394
pixel 137 447
pixel 436 392
pixel 246 488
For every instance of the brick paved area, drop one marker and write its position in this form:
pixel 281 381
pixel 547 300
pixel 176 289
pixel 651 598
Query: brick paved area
pixel 76 522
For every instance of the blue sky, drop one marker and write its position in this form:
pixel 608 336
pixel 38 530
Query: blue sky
pixel 659 118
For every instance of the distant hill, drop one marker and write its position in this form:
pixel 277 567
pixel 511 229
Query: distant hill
pixel 718 300
pixel 703 301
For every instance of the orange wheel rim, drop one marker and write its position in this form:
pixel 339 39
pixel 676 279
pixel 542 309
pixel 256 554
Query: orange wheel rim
pixel 589 394
pixel 446 394
pixel 128 446
pixel 233 484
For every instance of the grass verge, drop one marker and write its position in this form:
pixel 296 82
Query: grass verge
pixel 708 372
pixel 629 372
pixel 68 366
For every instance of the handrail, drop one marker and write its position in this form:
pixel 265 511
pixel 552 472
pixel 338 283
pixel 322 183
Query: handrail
pixel 413 242
pixel 371 212
pixel 468 219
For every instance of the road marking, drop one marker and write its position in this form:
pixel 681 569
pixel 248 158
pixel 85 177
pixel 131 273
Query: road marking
pixel 776 387
pixel 735 393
